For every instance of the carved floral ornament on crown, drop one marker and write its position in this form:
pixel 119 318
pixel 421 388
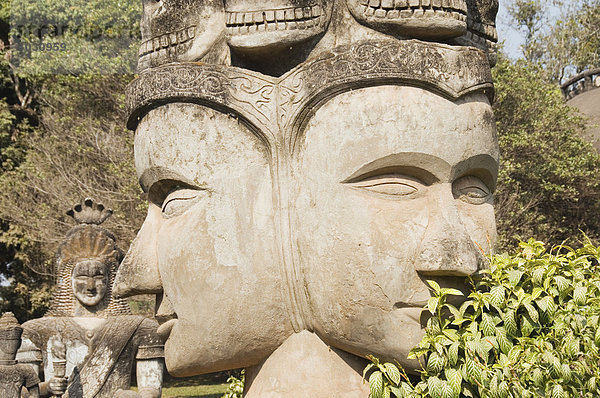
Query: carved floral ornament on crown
pixel 450 71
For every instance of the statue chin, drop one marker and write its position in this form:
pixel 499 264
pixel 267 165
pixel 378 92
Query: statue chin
pixel 89 301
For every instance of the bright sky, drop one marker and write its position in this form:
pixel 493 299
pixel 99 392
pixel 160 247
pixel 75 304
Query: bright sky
pixel 512 38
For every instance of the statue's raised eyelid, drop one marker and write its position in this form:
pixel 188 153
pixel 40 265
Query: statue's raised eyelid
pixel 160 175
pixel 427 168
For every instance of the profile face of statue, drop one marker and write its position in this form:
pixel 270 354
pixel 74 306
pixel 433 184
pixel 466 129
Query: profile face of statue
pixel 90 282
pixel 209 238
pixel 396 192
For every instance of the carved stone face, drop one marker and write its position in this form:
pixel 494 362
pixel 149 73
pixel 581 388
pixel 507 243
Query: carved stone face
pixel 179 30
pixel 428 19
pixel 327 214
pixel 90 282
pixel 257 26
pixel 395 192
pixel 209 239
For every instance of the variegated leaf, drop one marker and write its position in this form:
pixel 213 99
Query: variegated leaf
pixel 376 384
pixel 392 372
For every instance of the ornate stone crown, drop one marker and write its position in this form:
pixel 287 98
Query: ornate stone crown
pixel 281 58
pixel 89 212
pixel 268 102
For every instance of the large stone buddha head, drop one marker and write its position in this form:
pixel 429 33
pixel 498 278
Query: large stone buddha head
pixel 322 200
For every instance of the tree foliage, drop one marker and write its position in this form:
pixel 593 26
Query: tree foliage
pixel 62 137
pixel 92 36
pixel 564 44
pixel 549 181
pixel 530 328
pixel 235 386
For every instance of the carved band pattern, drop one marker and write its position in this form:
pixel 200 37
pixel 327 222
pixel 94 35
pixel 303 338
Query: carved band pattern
pixel 251 95
pixel 451 71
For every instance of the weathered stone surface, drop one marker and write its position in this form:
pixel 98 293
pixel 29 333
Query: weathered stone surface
pixel 588 103
pixel 481 27
pixel 300 196
pixel 88 341
pixel 182 30
pixel 305 357
pixel 267 101
pixel 582 92
pixel 14 376
pixel 276 36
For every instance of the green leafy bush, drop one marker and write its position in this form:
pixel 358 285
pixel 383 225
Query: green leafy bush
pixel 530 328
pixel 235 386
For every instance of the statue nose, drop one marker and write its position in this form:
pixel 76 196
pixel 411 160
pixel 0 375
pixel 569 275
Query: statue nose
pixel 138 273
pixel 447 247
pixel 90 284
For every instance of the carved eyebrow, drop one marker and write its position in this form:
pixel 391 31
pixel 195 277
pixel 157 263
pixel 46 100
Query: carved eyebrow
pixel 426 167
pixel 157 173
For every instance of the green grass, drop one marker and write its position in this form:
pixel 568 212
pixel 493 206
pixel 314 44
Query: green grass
pixel 211 385
pixel 206 391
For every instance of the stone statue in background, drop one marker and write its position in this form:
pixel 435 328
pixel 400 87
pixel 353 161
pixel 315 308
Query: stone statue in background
pixel 14 376
pixel 299 198
pixel 88 339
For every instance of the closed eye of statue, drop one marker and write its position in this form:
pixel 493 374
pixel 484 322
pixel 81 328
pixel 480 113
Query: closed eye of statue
pixel 471 189
pixel 390 186
pixel 178 201
pixel 173 197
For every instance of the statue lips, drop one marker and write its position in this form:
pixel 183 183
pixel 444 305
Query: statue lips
pixel 166 317
pixel 164 330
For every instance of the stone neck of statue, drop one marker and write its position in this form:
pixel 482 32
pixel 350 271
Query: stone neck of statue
pixel 302 357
